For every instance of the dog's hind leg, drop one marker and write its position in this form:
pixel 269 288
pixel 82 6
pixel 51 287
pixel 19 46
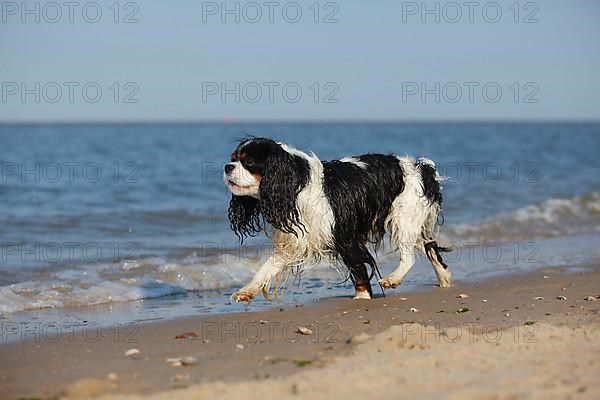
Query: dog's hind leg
pixel 362 286
pixel 432 250
pixel 356 257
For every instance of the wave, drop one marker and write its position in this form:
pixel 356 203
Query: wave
pixel 224 268
pixel 106 283
pixel 550 218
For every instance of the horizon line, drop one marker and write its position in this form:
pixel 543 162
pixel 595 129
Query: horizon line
pixel 299 122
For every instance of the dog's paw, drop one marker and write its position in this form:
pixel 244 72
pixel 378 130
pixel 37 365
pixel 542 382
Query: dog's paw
pixel 362 295
pixel 242 296
pixel 445 281
pixel 389 282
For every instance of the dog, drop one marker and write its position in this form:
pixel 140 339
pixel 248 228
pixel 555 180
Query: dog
pixel 333 210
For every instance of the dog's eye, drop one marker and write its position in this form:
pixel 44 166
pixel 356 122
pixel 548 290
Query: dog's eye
pixel 234 156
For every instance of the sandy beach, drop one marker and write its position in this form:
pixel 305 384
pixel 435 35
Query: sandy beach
pixel 526 336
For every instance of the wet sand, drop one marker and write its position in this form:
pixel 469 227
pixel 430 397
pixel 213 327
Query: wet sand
pixel 521 336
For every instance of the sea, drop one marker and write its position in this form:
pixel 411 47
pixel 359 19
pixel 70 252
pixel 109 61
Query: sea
pixel 127 223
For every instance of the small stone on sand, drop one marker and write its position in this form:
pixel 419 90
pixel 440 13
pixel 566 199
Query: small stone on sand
pixel 189 361
pixel 187 335
pixel 132 352
pixel 112 376
pixel 304 330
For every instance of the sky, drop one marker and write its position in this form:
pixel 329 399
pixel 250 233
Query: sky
pixel 183 61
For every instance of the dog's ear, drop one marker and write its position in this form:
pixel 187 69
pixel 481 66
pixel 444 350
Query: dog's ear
pixel 244 216
pixel 285 176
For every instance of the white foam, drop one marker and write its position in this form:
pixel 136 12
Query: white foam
pixel 98 284
pixel 550 218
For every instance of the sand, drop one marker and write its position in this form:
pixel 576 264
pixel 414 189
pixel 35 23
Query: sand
pixel 512 337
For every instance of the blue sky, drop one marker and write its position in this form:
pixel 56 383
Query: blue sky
pixel 373 64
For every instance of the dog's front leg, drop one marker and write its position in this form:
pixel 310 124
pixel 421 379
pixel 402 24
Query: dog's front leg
pixel 261 281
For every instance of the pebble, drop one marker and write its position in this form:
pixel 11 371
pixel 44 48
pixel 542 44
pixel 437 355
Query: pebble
pixel 538 298
pixel 507 315
pixel 561 298
pixel 239 346
pixel 403 298
pixel 189 361
pixel 187 335
pixel 484 300
pixel 179 378
pixel 462 296
pixel 591 298
pixel 132 352
pixel 414 310
pixel 304 330
pixel 182 361
pixel 112 376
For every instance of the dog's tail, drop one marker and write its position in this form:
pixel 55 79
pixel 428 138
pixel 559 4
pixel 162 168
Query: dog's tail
pixel 432 190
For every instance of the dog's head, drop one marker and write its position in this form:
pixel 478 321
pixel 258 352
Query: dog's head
pixel 265 178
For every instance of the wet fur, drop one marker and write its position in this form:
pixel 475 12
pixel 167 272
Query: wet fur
pixel 335 209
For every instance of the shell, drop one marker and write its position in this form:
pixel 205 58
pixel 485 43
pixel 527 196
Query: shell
pixel 304 330
pixel 189 361
pixel 561 298
pixel 414 310
pixel 462 296
pixel 132 352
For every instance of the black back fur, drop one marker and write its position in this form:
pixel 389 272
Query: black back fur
pixel 361 199
pixel 431 186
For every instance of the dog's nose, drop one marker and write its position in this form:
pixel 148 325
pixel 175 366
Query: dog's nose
pixel 229 168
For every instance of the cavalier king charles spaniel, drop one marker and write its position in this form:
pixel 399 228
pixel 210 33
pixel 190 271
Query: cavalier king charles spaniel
pixel 333 209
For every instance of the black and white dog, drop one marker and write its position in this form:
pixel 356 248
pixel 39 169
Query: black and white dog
pixel 333 209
